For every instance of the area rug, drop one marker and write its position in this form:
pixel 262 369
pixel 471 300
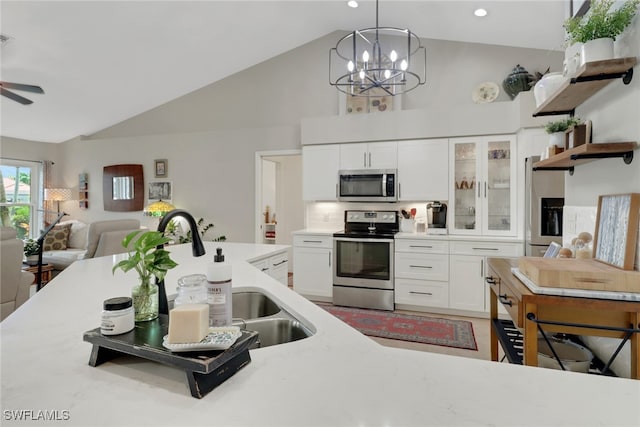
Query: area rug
pixel 421 329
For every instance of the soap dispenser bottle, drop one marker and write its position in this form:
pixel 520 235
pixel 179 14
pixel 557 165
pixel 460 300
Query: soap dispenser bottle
pixel 219 290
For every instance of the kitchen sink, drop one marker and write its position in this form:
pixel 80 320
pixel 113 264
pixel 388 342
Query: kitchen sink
pixel 252 305
pixel 255 311
pixel 277 330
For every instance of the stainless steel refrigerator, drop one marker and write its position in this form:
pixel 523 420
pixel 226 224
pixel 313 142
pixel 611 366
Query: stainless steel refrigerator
pixel 544 202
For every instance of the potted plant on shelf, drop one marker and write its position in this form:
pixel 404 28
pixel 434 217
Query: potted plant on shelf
pixel 149 262
pixel 557 128
pixel 598 29
pixel 31 250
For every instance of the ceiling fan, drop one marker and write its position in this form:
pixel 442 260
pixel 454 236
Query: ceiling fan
pixel 4 86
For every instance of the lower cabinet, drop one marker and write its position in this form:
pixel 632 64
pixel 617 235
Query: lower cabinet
pixel 468 268
pixel 422 273
pixel 276 266
pixel 313 266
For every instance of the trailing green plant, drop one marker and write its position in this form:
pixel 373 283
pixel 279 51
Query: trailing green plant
pixel 172 231
pixel 145 257
pixel 31 247
pixel 562 125
pixel 600 21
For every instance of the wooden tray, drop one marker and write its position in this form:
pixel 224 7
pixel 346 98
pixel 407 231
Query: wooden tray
pixel 205 369
pixel 571 273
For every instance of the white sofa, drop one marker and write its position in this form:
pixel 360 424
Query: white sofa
pixel 91 240
pixel 14 283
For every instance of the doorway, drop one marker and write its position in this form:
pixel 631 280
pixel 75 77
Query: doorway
pixel 278 189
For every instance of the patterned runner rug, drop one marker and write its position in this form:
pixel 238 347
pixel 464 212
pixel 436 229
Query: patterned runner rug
pixel 422 329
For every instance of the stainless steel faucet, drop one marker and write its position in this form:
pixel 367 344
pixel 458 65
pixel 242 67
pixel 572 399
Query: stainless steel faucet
pixel 197 249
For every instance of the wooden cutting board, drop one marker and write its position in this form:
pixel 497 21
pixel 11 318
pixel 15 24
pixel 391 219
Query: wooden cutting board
pixel 572 273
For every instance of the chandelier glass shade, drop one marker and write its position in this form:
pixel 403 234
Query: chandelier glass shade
pixel 378 61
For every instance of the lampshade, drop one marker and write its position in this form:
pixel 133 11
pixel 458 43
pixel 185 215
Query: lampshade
pixel 158 209
pixel 57 194
pixel 378 61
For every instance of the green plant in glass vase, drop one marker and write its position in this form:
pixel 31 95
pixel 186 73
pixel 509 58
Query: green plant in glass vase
pixel 148 261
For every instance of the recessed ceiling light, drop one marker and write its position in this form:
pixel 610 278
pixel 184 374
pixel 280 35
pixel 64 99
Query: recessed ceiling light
pixel 480 12
pixel 352 3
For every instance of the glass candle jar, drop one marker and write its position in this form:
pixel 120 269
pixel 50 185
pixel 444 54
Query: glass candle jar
pixel 117 316
pixel 192 289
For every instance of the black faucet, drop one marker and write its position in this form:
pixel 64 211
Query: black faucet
pixel 197 249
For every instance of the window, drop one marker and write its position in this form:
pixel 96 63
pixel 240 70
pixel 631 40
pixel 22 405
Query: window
pixel 20 196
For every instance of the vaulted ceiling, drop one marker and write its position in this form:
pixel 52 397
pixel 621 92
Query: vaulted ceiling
pixel 101 62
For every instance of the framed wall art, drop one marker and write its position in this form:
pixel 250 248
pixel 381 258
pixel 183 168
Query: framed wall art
pixel 617 226
pixel 160 190
pixel 161 168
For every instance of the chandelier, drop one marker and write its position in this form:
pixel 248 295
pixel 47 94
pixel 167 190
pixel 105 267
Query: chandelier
pixel 377 62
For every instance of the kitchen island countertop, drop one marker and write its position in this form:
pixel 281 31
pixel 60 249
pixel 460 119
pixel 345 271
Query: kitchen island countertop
pixel 337 377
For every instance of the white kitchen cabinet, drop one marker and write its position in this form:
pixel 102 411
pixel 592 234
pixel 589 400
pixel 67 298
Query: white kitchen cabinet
pixel 423 170
pixel 422 273
pixel 483 182
pixel 371 155
pixel 276 266
pixel 320 165
pixel 313 266
pixel 468 268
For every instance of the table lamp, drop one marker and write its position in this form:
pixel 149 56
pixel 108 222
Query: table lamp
pixel 57 195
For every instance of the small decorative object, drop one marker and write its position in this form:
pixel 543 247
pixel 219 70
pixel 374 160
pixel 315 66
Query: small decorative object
pixel 546 86
pixel 518 81
pixel 31 250
pixel 117 316
pixel 598 28
pixel 149 262
pixel 485 92
pixel 161 168
pixel 558 128
pixel 616 236
pixel 577 135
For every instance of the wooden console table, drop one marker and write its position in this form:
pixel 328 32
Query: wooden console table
pixel 556 314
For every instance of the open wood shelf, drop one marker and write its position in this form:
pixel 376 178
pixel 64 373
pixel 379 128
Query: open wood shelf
pixel 590 78
pixel 586 153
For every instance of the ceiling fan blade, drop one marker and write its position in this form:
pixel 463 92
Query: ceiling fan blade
pixel 15 97
pixel 23 87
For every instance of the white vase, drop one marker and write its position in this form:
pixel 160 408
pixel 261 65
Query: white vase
pixel 557 139
pixel 597 50
pixel 546 86
pixel 572 59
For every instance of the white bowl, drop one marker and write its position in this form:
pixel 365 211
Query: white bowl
pixel 574 357
pixel 546 86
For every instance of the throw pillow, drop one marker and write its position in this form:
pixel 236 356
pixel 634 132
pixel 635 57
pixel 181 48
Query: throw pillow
pixel 57 238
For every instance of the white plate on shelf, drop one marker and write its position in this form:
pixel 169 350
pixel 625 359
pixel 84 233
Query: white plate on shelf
pixel 485 92
pixel 219 338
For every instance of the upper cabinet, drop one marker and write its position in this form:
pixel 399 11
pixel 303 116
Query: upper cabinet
pixel 372 155
pixel 320 165
pixel 423 170
pixel 482 198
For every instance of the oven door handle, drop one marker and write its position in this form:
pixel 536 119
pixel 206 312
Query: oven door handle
pixel 362 239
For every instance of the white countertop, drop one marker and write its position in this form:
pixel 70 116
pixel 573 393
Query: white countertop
pixel 456 237
pixel 337 377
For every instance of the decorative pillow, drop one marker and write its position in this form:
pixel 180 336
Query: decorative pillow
pixel 57 238
pixel 78 234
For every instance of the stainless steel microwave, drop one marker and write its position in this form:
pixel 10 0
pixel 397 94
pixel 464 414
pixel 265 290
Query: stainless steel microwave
pixel 368 185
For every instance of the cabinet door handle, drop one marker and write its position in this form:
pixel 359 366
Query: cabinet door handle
pixel 420 266
pixel 485 189
pixel 312 241
pixel 265 269
pixel 369 158
pixel 400 190
pixel 478 189
pixel 490 280
pixel 481 268
pixel 364 158
pixel 421 293
pixel 505 300
pixel 421 246
pixel 280 263
pixel 485 249
pixel 336 191
pixel 329 259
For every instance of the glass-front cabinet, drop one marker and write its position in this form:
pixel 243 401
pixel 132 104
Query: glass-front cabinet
pixel 482 199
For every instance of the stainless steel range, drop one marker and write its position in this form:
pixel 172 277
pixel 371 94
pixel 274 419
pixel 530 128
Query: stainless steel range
pixel 363 260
